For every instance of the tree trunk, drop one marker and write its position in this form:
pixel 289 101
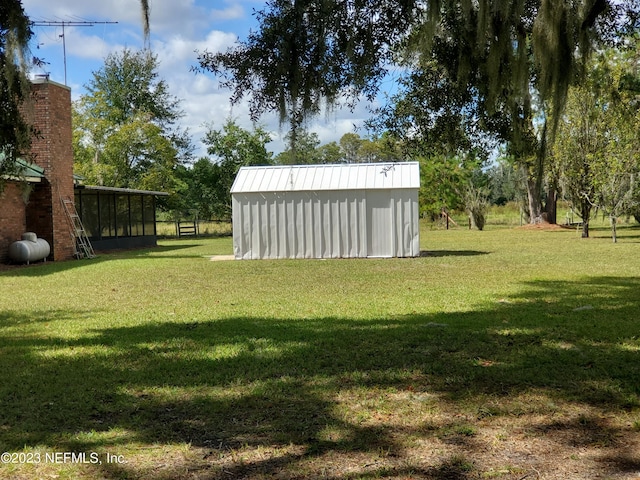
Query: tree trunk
pixel 586 216
pixel 535 203
pixel 96 161
pixel 535 178
pixel 614 233
pixel 535 174
pixel 551 206
pixel 476 220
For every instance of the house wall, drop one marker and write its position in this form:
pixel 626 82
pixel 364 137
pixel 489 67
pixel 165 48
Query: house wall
pixel 12 217
pixel 52 149
pixel 43 212
pixel 326 224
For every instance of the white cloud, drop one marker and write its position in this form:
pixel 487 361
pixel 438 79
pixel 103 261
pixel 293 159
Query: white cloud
pixel 183 17
pixel 232 12
pixel 178 51
pixel 203 101
pixel 179 28
pixel 89 47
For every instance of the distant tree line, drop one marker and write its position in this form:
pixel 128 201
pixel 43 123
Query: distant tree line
pixel 540 105
pixel 127 134
pixel 208 181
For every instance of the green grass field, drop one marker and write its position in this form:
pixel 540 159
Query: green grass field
pixel 510 353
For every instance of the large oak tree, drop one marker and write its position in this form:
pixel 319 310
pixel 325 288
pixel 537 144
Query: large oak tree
pixel 515 58
pixel 125 132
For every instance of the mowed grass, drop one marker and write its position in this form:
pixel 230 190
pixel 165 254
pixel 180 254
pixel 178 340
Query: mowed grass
pixel 507 353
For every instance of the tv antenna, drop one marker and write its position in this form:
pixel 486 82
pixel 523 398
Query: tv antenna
pixel 63 24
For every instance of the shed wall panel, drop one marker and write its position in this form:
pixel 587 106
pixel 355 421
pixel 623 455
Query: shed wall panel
pixel 299 225
pixel 327 225
pixel 405 223
pixel 379 224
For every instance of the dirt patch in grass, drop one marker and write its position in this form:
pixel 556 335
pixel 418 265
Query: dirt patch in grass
pixel 545 226
pixel 221 258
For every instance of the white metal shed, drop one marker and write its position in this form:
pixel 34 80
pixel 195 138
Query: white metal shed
pixel 326 211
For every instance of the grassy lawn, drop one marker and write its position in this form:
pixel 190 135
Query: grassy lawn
pixel 510 353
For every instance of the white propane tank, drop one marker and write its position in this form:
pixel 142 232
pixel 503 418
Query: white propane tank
pixel 29 249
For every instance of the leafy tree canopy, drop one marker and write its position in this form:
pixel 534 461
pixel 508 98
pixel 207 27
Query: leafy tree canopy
pixel 15 133
pixel 15 33
pixel 352 148
pixel 128 84
pixel 307 51
pixel 125 132
pixel 598 141
pixel 503 62
pixel 231 148
pixel 303 149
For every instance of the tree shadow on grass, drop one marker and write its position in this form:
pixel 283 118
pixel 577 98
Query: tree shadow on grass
pixel 12 318
pixel 158 249
pixel 249 382
pixel 452 253
pixel 41 269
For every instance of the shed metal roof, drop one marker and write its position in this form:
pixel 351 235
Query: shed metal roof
pixel 351 176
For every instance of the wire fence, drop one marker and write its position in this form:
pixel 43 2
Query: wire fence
pixel 191 228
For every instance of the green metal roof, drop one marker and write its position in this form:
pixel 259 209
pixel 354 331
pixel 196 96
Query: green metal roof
pixel 30 170
pixel 25 170
pixel 34 173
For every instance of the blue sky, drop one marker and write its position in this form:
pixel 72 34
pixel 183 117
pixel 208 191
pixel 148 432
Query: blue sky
pixel 178 28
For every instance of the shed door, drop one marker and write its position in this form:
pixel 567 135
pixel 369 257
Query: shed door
pixel 379 224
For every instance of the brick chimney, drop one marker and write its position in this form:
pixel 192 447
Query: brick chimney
pixel 52 149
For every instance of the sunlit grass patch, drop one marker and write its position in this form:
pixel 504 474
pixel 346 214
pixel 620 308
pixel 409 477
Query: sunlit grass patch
pixel 431 367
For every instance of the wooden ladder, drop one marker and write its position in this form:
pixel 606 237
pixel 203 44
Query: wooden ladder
pixel 82 246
